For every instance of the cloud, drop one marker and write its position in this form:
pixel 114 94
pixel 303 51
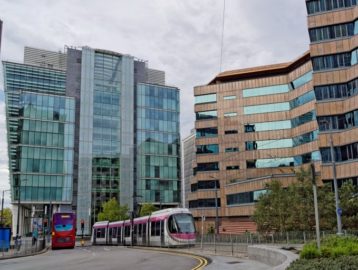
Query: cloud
pixel 181 37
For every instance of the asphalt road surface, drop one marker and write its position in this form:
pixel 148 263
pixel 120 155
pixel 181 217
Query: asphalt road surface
pixel 100 257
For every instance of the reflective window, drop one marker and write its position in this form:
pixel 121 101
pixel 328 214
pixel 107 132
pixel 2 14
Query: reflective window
pixel 230 114
pixel 338 122
pixel 229 97
pixel 283 161
pixel 334 61
pixel 315 6
pixel 244 197
pixel 265 108
pixel 210 166
pixel 305 98
pixel 203 203
pixel 305 78
pixel 342 153
pixel 207 132
pixel 207 149
pixel 332 31
pixel 267 90
pixel 232 131
pixel 206 115
pixel 231 149
pixel 208 184
pixel 232 167
pixel 282 143
pixel 205 99
pixel 334 91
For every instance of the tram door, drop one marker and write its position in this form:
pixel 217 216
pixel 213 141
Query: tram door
pixel 110 236
pixel 162 233
pixel 144 234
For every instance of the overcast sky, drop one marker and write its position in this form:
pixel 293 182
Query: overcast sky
pixel 181 37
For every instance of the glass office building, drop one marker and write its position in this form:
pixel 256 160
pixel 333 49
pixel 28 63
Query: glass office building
pixel 40 124
pixel 128 140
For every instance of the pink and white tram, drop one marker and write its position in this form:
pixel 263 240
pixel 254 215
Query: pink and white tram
pixel 168 227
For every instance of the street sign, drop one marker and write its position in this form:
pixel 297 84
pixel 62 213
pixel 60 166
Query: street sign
pixel 339 211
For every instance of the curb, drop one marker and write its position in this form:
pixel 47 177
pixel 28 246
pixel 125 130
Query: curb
pixel 26 255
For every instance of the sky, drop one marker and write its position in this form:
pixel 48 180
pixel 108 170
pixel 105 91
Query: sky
pixel 181 37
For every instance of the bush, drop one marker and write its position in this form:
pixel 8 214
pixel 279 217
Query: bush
pixel 309 251
pixel 341 263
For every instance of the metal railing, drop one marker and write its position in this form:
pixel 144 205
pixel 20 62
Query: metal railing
pixel 236 245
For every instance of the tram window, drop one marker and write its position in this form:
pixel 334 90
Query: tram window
pixel 152 228
pixel 114 233
pixel 157 228
pixel 172 225
pixel 162 227
pixel 140 230
pixel 144 229
pixel 127 231
pixel 110 232
pixel 98 233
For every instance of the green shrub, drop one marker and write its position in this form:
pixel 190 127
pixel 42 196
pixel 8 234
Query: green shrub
pixel 341 263
pixel 339 251
pixel 309 251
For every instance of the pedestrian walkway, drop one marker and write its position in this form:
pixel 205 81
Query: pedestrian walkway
pixel 231 263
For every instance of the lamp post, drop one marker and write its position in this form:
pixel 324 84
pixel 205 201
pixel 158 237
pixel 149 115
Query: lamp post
pixel 2 206
pixel 333 159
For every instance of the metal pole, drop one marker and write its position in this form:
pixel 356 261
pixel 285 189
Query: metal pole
pixel 338 210
pixel 216 209
pixel 314 186
pixel 2 208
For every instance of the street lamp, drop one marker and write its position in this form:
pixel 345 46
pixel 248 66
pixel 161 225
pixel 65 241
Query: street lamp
pixel 338 210
pixel 2 206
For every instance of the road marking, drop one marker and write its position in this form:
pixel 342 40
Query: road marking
pixel 106 249
pixel 202 261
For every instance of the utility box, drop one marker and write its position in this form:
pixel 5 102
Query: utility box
pixel 5 237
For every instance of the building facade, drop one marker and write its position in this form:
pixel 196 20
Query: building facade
pixel 252 126
pixel 333 30
pixel 117 134
pixel 188 157
pixel 40 132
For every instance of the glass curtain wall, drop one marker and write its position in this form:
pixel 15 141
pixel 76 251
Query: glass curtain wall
pixel 158 144
pixel 106 129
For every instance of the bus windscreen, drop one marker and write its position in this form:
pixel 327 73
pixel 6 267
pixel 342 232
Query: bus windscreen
pixel 63 222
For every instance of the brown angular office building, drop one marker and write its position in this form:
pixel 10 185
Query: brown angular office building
pixel 258 124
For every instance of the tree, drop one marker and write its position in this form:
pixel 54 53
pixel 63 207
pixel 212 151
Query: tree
pixel 112 211
pixel 7 221
pixel 348 195
pixel 291 208
pixel 147 209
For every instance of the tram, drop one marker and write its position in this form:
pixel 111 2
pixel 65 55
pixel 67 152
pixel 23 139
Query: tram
pixel 171 227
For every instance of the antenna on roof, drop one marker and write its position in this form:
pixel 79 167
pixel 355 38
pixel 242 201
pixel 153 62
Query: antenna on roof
pixel 222 36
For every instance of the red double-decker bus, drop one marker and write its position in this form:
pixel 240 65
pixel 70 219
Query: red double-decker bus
pixel 63 230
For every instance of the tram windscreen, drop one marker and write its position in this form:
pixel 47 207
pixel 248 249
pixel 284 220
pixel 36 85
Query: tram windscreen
pixel 181 223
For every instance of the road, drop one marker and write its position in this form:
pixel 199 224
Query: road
pixel 101 258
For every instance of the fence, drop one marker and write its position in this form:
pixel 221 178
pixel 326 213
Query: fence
pixel 236 245
pixel 23 247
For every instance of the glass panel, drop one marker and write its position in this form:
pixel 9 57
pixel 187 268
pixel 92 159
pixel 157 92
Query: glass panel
pixel 267 90
pixel 206 115
pixel 205 99
pixel 276 107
